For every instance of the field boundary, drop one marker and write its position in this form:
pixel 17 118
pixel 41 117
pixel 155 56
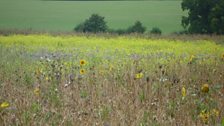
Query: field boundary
pixel 183 37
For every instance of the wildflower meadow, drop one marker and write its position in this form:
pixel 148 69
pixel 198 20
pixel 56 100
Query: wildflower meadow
pixel 87 80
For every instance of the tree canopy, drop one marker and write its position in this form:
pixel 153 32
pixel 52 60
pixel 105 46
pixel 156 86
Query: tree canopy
pixel 204 16
pixel 136 28
pixel 94 24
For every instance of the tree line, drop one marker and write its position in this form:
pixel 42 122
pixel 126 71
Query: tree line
pixel 96 23
pixel 204 17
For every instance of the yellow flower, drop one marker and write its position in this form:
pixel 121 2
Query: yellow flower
pixel 36 91
pixel 204 115
pixel 4 105
pixel 82 62
pixel 111 67
pixel 215 112
pixel 82 71
pixel 38 71
pixel 138 75
pixel 192 58
pixel 222 56
pixel 205 88
pixel 47 78
pixel 183 91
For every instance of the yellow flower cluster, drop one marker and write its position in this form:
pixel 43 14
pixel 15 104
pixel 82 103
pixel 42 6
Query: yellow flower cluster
pixel 139 75
pixel 82 63
pixel 204 115
pixel 36 91
pixel 4 105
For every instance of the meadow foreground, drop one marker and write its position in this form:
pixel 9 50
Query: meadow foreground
pixel 110 81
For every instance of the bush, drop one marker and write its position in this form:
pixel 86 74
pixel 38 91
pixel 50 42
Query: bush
pixel 183 32
pixel 97 24
pixel 136 28
pixel 79 28
pixel 118 31
pixel 156 30
pixel 94 24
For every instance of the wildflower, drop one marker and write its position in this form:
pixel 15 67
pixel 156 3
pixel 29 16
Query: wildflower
pixel 66 85
pixel 138 75
pixel 162 79
pixel 4 105
pixel 215 112
pixel 183 91
pixel 38 72
pixel 192 58
pixel 37 91
pixel 111 67
pixel 47 78
pixel 82 71
pixel 204 115
pixel 205 88
pixel 82 62
pixel 222 57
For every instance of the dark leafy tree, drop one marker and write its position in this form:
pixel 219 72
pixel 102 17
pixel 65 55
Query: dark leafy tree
pixel 204 16
pixel 216 18
pixel 94 24
pixel 136 28
pixel 156 30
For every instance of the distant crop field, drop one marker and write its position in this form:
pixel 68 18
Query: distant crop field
pixel 111 81
pixel 65 15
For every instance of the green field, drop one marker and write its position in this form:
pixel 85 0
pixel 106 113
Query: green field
pixel 65 15
pixel 109 81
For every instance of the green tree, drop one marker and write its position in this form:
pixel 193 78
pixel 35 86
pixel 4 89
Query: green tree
pixel 136 28
pixel 94 24
pixel 217 18
pixel 156 30
pixel 204 16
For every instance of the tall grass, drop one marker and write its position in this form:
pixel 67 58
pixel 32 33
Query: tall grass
pixel 90 80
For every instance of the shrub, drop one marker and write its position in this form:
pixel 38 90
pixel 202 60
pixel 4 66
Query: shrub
pixel 181 32
pixel 118 31
pixel 79 28
pixel 156 30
